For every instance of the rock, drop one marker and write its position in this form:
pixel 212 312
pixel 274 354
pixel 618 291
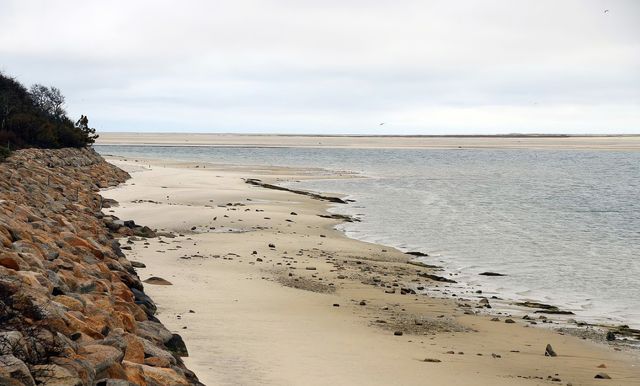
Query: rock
pixel 398 333
pixel 102 357
pixel 363 303
pixel 9 262
pixel 549 352
pixel 509 321
pixel 431 360
pixel 611 336
pixel 55 375
pixel 157 281
pixel 13 368
pixel 134 351
pixel 12 343
pixel 418 254
pixel 491 274
pixel 310 268
pixel 137 264
pixel 157 362
pixel 144 231
pixel 436 277
pixel 114 382
pixel 602 376
pixel 153 350
pixel 272 245
pixel 176 345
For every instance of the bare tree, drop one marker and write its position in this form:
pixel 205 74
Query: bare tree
pixel 48 99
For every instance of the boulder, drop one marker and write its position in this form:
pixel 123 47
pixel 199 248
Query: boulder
pixel 13 368
pixel 102 357
pixel 176 345
pixel 55 375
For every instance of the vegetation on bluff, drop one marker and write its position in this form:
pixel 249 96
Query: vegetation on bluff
pixel 36 118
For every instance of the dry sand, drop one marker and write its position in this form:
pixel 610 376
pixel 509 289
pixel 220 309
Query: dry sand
pixel 265 319
pixel 252 140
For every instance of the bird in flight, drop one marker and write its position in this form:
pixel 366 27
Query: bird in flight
pixel 382 123
pixel 606 11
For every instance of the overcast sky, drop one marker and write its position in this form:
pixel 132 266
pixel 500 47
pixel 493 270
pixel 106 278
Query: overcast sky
pixel 330 66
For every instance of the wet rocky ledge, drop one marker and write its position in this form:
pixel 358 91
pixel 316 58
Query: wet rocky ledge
pixel 73 311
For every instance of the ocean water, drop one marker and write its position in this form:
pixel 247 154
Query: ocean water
pixel 563 225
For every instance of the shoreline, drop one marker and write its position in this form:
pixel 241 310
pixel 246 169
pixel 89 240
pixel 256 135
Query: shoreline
pixel 507 302
pixel 316 285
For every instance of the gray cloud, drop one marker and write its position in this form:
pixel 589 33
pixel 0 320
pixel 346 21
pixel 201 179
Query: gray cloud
pixel 334 66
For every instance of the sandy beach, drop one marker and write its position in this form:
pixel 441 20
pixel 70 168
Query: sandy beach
pixel 628 142
pixel 264 291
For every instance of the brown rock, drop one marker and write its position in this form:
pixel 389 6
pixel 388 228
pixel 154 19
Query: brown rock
pixel 157 362
pixel 163 376
pixel 102 357
pixel 134 373
pixel 10 263
pixel 135 350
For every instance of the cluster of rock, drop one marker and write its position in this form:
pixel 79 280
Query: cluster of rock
pixel 72 308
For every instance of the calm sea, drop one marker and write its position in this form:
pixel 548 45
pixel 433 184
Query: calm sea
pixel 564 226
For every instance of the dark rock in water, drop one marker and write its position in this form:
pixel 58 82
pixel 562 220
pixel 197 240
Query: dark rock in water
pixel 421 264
pixel 602 376
pixel 419 254
pixel 545 308
pixel 436 277
pixel 177 346
pixel 342 217
pixel 555 312
pixel 257 182
pixel 611 336
pixel 549 352
pixel 157 281
pixel 492 274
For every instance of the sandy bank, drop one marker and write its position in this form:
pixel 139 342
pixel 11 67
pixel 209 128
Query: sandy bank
pixel 251 313
pixel 250 140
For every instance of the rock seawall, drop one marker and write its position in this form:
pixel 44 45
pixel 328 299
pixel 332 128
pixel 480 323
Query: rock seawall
pixel 72 308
